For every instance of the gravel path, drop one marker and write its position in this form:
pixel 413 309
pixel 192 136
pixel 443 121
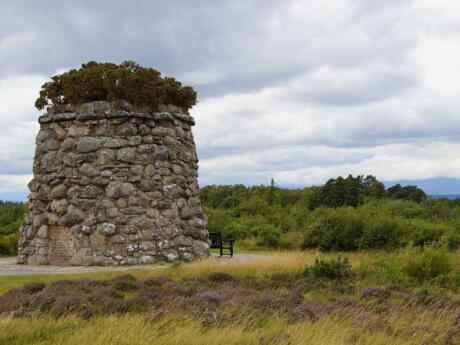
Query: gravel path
pixel 8 266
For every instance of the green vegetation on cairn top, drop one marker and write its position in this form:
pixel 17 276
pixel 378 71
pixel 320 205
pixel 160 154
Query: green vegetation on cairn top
pixel 127 81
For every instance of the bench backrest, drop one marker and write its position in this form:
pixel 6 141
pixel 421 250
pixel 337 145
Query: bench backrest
pixel 216 239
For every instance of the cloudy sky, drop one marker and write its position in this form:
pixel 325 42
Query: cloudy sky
pixel 297 90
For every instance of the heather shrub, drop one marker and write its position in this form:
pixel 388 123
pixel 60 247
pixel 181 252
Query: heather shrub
pixel 86 305
pixel 370 292
pixel 339 269
pixel 272 300
pixel 126 282
pixel 127 81
pixel 220 277
pixel 309 311
pixel 285 279
pixel 19 297
pixel 32 288
pixel 66 305
pixel 189 286
pixel 157 281
pixel 209 296
pixel 85 298
pixel 149 296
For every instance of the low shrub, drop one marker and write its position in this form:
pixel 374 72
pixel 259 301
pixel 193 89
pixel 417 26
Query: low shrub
pixel 375 226
pixel 220 277
pixel 338 229
pixel 372 292
pixel 380 231
pixel 417 265
pixel 156 281
pixel 339 269
pixel 290 240
pixel 9 244
pixel 213 297
pixel 126 282
pixel 269 237
pixel 421 232
pixel 309 311
pixel 427 263
pixel 17 298
pixel 273 300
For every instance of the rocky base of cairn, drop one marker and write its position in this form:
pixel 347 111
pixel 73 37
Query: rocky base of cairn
pixel 113 185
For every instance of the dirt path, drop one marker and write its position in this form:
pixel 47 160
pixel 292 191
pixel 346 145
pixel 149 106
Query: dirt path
pixel 8 266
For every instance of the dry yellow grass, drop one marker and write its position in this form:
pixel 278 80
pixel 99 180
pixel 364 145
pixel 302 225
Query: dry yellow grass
pixel 139 330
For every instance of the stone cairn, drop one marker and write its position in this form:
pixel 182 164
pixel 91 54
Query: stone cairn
pixel 113 185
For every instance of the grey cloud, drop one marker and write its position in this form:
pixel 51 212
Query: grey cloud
pixel 248 45
pixel 300 90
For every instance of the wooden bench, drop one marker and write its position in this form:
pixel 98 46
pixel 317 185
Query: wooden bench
pixel 217 242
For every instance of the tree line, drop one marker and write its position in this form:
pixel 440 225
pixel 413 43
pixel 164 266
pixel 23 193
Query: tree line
pixel 344 214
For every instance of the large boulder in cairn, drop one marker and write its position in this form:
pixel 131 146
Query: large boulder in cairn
pixel 114 186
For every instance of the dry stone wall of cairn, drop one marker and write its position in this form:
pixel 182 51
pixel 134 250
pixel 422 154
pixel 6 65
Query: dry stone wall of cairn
pixel 113 185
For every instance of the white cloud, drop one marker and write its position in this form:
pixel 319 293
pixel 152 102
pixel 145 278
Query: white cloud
pixel 14 183
pixel 18 122
pixel 389 162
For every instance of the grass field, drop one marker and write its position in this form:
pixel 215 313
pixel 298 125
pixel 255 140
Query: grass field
pixel 411 300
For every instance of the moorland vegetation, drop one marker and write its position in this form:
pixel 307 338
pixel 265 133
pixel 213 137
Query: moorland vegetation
pixel 405 297
pixel 345 214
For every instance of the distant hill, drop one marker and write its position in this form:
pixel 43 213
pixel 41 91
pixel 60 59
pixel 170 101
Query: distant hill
pixel 436 187
pixel 446 196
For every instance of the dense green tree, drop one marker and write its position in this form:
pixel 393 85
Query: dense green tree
pixel 354 213
pixel 340 192
pixel 411 193
pixel 372 187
